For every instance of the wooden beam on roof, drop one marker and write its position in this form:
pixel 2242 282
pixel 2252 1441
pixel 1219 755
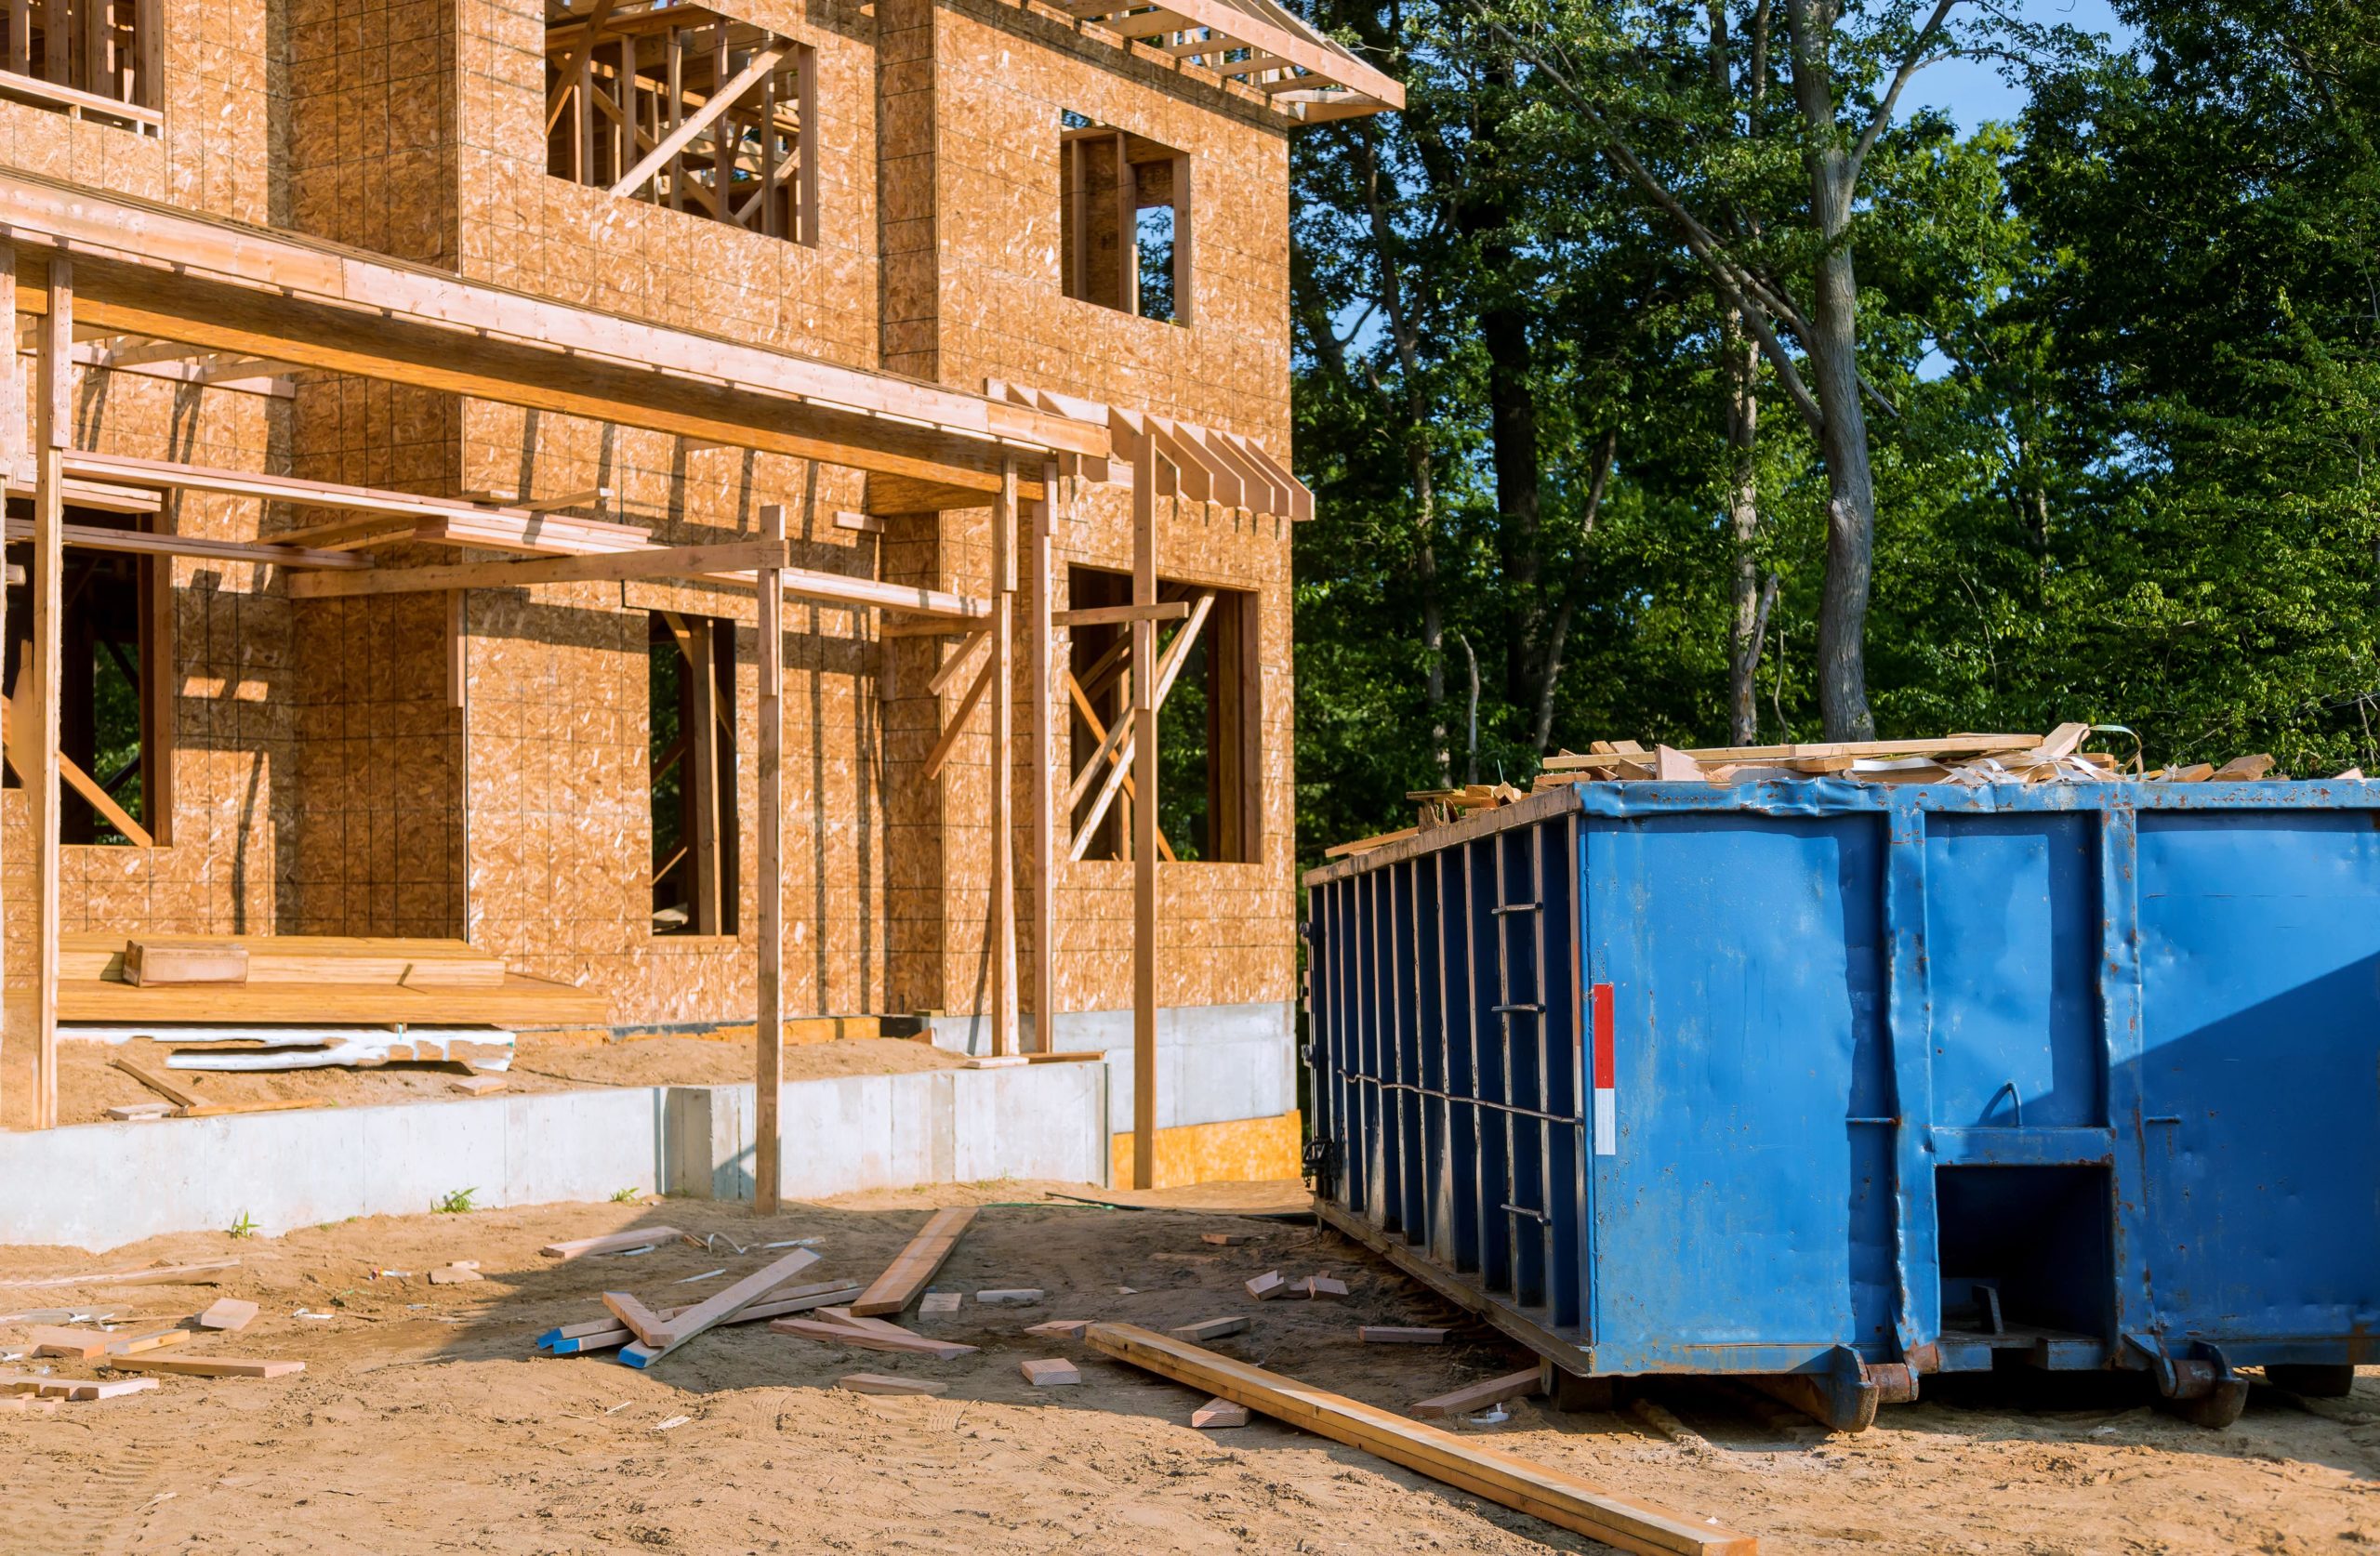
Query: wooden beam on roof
pixel 97 537
pixel 154 270
pixel 680 561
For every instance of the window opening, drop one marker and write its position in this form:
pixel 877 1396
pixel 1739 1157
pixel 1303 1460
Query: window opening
pixel 113 714
pixel 88 59
pixel 1124 221
pixel 690 667
pixel 682 107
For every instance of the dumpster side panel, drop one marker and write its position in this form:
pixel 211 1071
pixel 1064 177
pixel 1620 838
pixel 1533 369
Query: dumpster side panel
pixel 1745 1219
pixel 2260 949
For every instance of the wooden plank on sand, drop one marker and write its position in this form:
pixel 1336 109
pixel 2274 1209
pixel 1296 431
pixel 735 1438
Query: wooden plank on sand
pixel 229 1314
pixel 869 1340
pixel 1479 1396
pixel 203 1367
pixel 675 1332
pixel 907 1274
pixel 165 1274
pixel 612 1242
pixel 1554 1496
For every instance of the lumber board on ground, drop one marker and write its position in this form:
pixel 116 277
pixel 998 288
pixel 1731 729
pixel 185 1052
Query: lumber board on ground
pixel 914 1265
pixel 601 1334
pixel 868 1339
pixel 210 1273
pixel 205 1366
pixel 229 1315
pixel 641 1320
pixel 612 1242
pixel 50 1339
pixel 883 1383
pixel 1555 1495
pixel 1479 1396
pixel 156 1340
pixel 671 1333
pixel 178 1096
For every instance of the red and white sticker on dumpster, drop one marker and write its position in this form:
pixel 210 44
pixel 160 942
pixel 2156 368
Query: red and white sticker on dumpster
pixel 1607 1079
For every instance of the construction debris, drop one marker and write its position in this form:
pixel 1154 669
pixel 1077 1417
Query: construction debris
pixel 1389 1334
pixel 1018 1296
pixel 229 1314
pixel 1269 1285
pixel 906 1276
pixel 657 1341
pixel 1209 1330
pixel 614 1242
pixel 939 1301
pixel 1217 1414
pixel 1321 1289
pixel 1053 1373
pixel 603 1334
pixel 1062 1328
pixel 205 1366
pixel 1479 1396
pixel 457 1274
pixel 884 1383
pixel 1227 1239
pixel 1555 1495
pixel 166 1274
pixel 866 1339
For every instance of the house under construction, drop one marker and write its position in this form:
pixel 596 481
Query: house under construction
pixel 634 515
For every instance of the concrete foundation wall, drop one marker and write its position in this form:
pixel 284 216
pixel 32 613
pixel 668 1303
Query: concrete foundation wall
pixel 1216 1064
pixel 99 1185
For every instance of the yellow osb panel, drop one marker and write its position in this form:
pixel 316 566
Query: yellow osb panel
pixel 1242 1151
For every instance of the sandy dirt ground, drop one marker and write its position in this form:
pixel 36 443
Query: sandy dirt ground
pixel 424 1421
pixel 89 1084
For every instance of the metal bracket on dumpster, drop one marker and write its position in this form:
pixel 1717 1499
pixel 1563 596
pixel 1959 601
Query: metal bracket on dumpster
pixel 1322 1163
pixel 1845 1395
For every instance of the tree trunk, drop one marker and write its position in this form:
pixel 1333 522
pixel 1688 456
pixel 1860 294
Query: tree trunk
pixel 1833 348
pixel 1742 359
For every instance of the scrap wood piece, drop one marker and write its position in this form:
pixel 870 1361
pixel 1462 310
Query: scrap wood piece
pixel 479 1086
pixel 456 1274
pixel 163 1275
pixel 1479 1396
pixel 30 1385
pixel 1366 845
pixel 1217 1414
pixel 155 1339
pixel 868 1339
pixel 642 1321
pixel 1050 1372
pixel 1226 1239
pixel 164 962
pixel 603 1334
pixel 2243 769
pixel 1012 1296
pixel 229 1314
pixel 274 1104
pixel 81 1344
pixel 140 1112
pixel 1210 1329
pixel 905 1277
pixel 612 1242
pixel 1555 1495
pixel 1063 1328
pixel 1392 1334
pixel 675 1332
pixel 203 1367
pixel 842 1315
pixel 26 1404
pixel 1269 1285
pixel 179 1096
pixel 1322 1287
pixel 884 1383
pixel 1714 756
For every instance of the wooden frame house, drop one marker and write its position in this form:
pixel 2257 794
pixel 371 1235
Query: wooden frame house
pixel 426 414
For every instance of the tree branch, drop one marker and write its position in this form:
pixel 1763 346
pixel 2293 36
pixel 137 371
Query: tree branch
pixel 1909 64
pixel 1736 284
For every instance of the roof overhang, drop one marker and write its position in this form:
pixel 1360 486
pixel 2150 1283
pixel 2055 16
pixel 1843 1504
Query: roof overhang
pixel 147 268
pixel 1302 72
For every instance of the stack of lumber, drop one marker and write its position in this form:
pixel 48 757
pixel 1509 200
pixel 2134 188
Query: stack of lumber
pixel 308 980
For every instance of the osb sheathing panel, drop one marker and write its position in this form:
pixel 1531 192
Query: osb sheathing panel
pixel 371 124
pixel 561 846
pixel 1002 75
pixel 230 865
pixel 225 108
pixel 523 228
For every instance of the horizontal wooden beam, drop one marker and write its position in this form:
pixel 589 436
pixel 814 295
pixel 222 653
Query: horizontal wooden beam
pixel 1103 615
pixel 144 268
pixel 97 537
pixel 662 561
pixel 170 476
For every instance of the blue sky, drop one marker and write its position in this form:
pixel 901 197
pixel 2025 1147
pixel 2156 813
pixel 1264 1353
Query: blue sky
pixel 1972 91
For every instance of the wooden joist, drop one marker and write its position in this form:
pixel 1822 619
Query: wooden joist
pixel 1555 1495
pixel 659 562
pixel 603 1334
pixel 1479 1396
pixel 907 1274
pixel 612 1242
pixel 203 1367
pixel 899 1341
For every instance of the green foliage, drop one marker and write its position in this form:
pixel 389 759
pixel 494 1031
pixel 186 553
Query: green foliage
pixel 459 1201
pixel 2129 343
pixel 627 1196
pixel 245 1227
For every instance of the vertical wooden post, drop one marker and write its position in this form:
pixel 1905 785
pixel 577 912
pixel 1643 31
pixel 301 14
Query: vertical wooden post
pixel 456 670
pixel 1042 653
pixel 1128 232
pixel 1145 816
pixel 53 425
pixel 768 1149
pixel 1003 698
pixel 806 148
pixel 12 456
pixel 1182 240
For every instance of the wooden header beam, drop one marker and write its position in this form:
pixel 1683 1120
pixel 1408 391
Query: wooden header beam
pixel 144 268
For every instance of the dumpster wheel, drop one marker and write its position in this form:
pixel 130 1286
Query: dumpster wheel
pixel 1844 1397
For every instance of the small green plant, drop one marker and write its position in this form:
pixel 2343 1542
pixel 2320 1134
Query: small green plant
pixel 627 1196
pixel 245 1227
pixel 455 1204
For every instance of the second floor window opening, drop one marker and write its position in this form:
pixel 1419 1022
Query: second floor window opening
pixel 88 59
pixel 1124 205
pixel 682 107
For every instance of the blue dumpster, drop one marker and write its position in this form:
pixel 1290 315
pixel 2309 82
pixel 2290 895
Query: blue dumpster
pixel 1833 1086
